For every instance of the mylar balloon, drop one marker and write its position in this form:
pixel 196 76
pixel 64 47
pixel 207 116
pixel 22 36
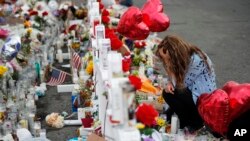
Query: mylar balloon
pixel 214 110
pixel 239 95
pixel 53 5
pixel 222 106
pixel 154 17
pixel 11 47
pixel 131 25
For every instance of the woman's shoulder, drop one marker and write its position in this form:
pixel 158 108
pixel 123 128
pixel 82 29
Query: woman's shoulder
pixel 196 61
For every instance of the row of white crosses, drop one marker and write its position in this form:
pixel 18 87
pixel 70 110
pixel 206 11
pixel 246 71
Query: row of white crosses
pixel 108 73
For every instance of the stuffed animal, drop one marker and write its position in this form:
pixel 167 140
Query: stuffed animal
pixel 55 120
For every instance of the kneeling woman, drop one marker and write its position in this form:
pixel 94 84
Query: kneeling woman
pixel 190 74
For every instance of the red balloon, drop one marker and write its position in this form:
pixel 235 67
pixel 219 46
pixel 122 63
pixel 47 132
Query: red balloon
pixel 214 109
pixel 239 98
pixel 131 25
pixel 222 106
pixel 154 17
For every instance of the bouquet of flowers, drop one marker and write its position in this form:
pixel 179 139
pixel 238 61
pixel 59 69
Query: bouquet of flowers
pixel 86 90
pixel 150 123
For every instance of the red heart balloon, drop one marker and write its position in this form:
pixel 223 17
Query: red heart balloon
pixel 131 25
pixel 239 95
pixel 222 106
pixel 154 17
pixel 214 109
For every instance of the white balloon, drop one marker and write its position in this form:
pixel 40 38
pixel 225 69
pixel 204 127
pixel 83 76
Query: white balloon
pixel 53 5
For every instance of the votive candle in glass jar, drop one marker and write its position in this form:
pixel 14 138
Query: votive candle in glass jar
pixel 37 128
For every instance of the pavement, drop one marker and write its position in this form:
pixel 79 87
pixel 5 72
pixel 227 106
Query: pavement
pixel 220 28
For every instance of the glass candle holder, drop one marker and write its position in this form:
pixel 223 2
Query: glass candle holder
pixel 37 128
pixel 43 134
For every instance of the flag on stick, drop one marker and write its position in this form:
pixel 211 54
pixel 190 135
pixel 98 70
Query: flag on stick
pixel 76 60
pixel 57 77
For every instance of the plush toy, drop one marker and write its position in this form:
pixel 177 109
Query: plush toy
pixel 55 120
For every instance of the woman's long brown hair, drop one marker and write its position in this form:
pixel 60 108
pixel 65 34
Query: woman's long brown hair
pixel 180 53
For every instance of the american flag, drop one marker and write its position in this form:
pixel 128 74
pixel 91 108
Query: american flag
pixel 76 60
pixel 57 77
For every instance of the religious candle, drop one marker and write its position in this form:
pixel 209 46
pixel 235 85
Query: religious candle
pixel 37 128
pixel 51 55
pixel 95 23
pixel 100 32
pixel 43 134
pixel 174 124
pixel 31 118
pixel 41 75
pixel 105 48
pixel 60 55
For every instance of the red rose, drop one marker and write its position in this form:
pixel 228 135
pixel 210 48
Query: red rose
pixel 72 27
pixel 127 54
pixel 32 12
pixel 109 32
pixel 45 13
pixel 105 19
pixel 146 114
pixel 115 43
pixel 105 12
pixel 126 62
pixel 140 44
pixel 101 6
pixel 135 81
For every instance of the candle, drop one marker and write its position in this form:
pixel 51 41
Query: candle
pixel 51 55
pixel 96 22
pixel 60 55
pixel 43 134
pixel 142 70
pixel 41 76
pixel 31 122
pixel 100 31
pixel 80 113
pixel 45 56
pixel 105 48
pixel 174 124
pixel 23 123
pixel 75 76
pixel 37 128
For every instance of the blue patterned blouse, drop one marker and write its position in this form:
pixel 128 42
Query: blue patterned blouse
pixel 198 78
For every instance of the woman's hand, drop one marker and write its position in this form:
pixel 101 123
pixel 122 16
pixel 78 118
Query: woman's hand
pixel 169 88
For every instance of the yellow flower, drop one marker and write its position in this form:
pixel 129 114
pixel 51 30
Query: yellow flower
pixel 3 69
pixel 27 23
pixel 160 121
pixel 90 67
pixel 160 100
pixel 29 30
pixel 75 45
pixel 140 126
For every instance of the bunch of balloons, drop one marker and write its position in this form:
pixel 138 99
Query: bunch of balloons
pixel 136 23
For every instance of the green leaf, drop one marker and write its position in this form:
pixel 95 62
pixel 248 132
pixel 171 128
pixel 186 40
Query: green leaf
pixel 147 131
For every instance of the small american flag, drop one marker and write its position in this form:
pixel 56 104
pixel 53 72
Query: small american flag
pixel 57 77
pixel 76 60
